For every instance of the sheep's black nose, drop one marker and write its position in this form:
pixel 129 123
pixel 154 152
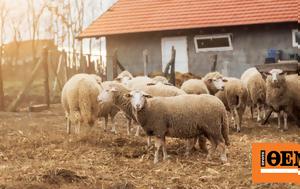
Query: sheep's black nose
pixel 150 132
pixel 222 88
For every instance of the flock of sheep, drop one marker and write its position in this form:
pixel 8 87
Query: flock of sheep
pixel 196 111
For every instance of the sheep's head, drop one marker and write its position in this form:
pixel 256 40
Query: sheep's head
pixel 217 83
pixel 106 95
pixel 138 99
pixel 124 80
pixel 275 76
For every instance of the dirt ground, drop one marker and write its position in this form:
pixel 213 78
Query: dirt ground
pixel 36 153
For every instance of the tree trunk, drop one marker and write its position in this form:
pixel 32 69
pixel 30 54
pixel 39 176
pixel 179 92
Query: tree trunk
pixel 1 82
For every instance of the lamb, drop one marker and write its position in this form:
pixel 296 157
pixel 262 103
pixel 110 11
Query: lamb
pixel 139 82
pixel 283 94
pixel 160 79
pixel 115 93
pixel 162 90
pixel 210 84
pixel 124 77
pixel 107 109
pixel 79 100
pixel 234 98
pixel 183 116
pixel 256 87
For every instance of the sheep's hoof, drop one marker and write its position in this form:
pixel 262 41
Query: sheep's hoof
pixel 285 129
pixel 223 158
pixel 187 154
pixel 208 157
pixel 155 161
pixel 167 157
pixel 238 130
pixel 113 131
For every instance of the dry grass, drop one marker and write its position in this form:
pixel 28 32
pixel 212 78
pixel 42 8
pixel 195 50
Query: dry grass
pixel 36 153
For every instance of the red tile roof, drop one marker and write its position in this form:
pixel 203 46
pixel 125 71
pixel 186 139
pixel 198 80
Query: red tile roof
pixel 131 16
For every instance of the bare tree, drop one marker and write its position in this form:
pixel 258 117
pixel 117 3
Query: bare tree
pixel 3 15
pixel 34 16
pixel 16 24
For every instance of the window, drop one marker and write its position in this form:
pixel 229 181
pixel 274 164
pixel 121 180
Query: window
pixel 213 43
pixel 296 38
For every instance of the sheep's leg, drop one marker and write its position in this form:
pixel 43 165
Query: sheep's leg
pixel 212 149
pixel 137 133
pixel 158 144
pixel 105 123
pixel 279 120
pixel 77 131
pixel 164 148
pixel 113 129
pixel 251 110
pixel 236 119
pixel 148 141
pixel 264 112
pixel 258 113
pixel 128 126
pixel 240 119
pixel 232 117
pixel 223 156
pixel 68 125
pixel 285 127
pixel 202 144
pixel 190 143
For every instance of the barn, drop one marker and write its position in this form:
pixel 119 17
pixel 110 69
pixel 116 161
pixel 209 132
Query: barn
pixel 240 33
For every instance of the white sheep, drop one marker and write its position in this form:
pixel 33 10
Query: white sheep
pixel 115 94
pixel 211 83
pixel 79 100
pixel 139 82
pixel 160 90
pixel 160 79
pixel 256 87
pixel 124 77
pixel 283 94
pixel 234 98
pixel 183 116
pixel 108 109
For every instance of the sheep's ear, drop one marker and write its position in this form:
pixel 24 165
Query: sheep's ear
pixel 225 80
pixel 264 75
pixel 283 73
pixel 118 79
pixel 148 84
pixel 146 95
pixel 127 95
pixel 168 84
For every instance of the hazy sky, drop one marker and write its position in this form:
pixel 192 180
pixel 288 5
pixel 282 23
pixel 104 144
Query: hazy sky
pixel 17 13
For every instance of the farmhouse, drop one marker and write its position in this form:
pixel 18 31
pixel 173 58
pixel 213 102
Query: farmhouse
pixel 240 33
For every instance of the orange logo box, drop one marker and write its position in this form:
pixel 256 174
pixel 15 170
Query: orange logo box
pixel 275 162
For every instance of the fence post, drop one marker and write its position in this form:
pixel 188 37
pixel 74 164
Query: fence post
pixel 214 63
pixel 1 81
pixel 146 61
pixel 114 64
pixel 46 76
pixel 170 67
